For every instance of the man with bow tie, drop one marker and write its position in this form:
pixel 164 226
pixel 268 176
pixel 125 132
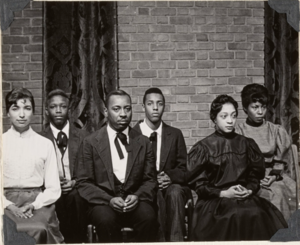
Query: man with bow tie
pixel 116 175
pixel 171 154
pixel 66 139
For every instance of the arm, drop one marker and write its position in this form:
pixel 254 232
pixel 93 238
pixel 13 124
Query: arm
pixel 148 188
pixel 51 181
pixel 197 173
pixel 283 159
pixel 178 174
pixel 256 167
pixel 86 184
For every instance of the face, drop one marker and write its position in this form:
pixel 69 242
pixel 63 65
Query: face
pixel 256 112
pixel 118 112
pixel 154 107
pixel 57 111
pixel 226 118
pixel 21 114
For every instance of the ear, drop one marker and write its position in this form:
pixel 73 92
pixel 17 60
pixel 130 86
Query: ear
pixel 46 111
pixel 143 105
pixel 245 110
pixel 105 111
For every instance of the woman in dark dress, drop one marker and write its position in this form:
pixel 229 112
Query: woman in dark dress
pixel 225 171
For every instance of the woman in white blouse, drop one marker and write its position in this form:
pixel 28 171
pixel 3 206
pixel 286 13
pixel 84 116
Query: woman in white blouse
pixel 31 181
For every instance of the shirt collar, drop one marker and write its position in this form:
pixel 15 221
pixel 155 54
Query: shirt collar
pixel 24 134
pixel 112 133
pixel 149 130
pixel 55 131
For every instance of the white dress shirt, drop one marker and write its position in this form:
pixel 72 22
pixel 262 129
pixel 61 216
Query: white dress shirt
pixel 29 161
pixel 65 158
pixel 147 131
pixel 119 165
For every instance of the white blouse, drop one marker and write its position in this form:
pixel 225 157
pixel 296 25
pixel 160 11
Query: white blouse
pixel 29 161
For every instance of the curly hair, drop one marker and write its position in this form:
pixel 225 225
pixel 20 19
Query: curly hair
pixel 217 104
pixel 254 92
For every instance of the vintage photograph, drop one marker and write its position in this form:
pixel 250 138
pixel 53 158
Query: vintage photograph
pixel 150 121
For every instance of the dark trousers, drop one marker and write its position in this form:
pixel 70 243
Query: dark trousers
pixel 171 212
pixel 71 213
pixel 109 222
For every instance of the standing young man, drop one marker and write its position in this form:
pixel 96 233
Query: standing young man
pixel 66 139
pixel 171 155
pixel 116 175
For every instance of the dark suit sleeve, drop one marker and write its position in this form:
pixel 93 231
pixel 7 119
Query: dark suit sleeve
pixel 85 173
pixel 148 188
pixel 177 174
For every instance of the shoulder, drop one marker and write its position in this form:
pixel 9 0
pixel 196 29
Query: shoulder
pixel 275 127
pixel 137 125
pixel 41 139
pixel 81 132
pixel 136 135
pixel 172 130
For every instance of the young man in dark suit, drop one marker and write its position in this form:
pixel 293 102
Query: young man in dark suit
pixel 116 175
pixel 66 139
pixel 171 155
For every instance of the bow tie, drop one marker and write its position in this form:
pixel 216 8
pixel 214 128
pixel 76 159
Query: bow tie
pixel 123 138
pixel 62 140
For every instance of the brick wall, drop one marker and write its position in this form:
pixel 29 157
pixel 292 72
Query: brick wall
pixel 22 57
pixel 193 51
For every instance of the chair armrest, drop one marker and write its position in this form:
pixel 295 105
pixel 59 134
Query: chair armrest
pixel 297 170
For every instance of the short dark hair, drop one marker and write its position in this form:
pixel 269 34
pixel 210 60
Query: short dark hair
pixel 153 91
pixel 116 92
pixel 217 104
pixel 254 92
pixel 56 92
pixel 17 94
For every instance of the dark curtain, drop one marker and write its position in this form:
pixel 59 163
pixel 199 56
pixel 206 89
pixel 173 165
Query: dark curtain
pixel 80 56
pixel 282 72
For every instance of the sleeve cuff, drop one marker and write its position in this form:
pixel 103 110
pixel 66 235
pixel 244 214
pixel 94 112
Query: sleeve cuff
pixel 36 205
pixel 7 203
pixel 277 173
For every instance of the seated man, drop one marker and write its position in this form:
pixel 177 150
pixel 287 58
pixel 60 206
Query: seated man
pixel 170 150
pixel 66 139
pixel 116 175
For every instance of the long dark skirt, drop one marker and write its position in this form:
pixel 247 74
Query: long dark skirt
pixel 43 226
pixel 225 219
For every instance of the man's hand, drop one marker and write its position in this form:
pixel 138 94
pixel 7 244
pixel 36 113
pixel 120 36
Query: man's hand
pixel 268 180
pixel 236 191
pixel 163 180
pixel 24 212
pixel 131 202
pixel 117 203
pixel 67 186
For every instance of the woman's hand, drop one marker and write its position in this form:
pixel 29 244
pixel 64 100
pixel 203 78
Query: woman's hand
pixel 22 212
pixel 268 180
pixel 236 191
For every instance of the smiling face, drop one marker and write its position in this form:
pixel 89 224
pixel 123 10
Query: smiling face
pixel 154 107
pixel 118 112
pixel 57 111
pixel 256 112
pixel 20 114
pixel 226 118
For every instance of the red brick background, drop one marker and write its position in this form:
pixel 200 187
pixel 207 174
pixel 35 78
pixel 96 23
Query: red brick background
pixel 193 51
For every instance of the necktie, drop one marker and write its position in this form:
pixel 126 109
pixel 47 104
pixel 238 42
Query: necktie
pixel 123 139
pixel 153 139
pixel 62 142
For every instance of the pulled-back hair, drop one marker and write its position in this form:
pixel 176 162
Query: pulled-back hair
pixel 254 92
pixel 56 92
pixel 116 92
pixel 17 94
pixel 153 91
pixel 217 104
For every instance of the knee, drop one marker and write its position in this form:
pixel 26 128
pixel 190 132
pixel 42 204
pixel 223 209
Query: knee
pixel 174 191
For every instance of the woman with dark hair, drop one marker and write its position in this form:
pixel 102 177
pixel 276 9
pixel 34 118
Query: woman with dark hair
pixel 225 170
pixel 274 142
pixel 31 182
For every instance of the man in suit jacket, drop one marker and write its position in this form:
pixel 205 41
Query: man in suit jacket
pixel 170 150
pixel 116 175
pixel 66 139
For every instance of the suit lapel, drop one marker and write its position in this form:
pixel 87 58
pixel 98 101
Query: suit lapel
pixel 133 150
pixel 103 149
pixel 166 142
pixel 74 141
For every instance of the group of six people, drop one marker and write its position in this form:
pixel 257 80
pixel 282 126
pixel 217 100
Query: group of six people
pixel 58 181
